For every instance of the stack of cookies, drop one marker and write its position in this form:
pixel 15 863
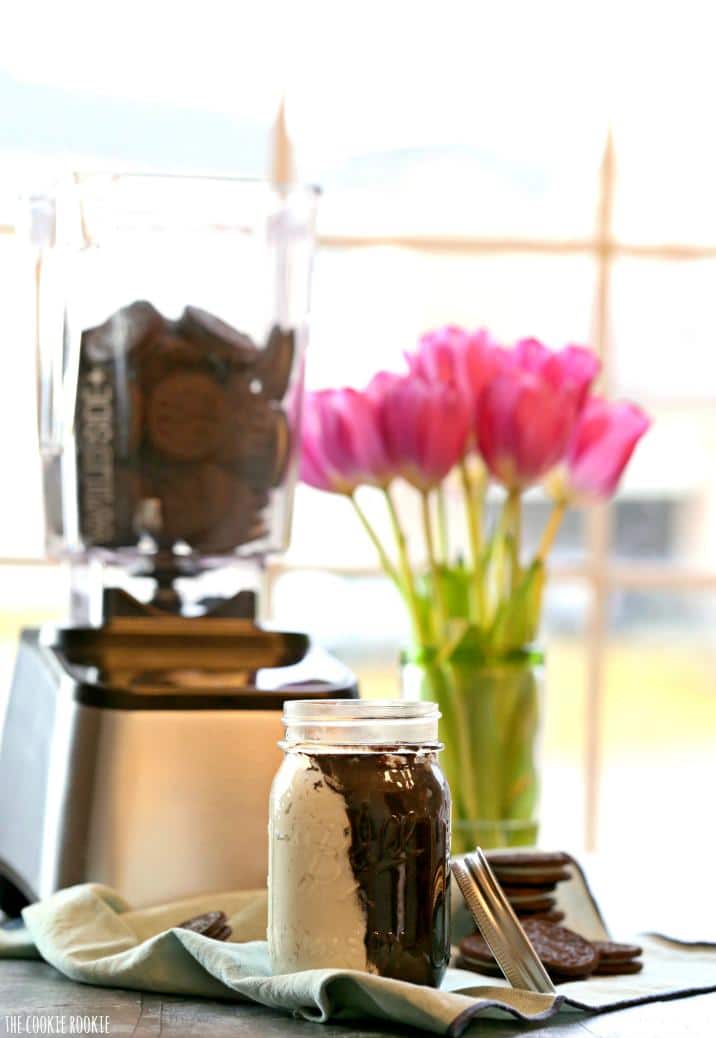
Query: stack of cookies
pixel 529 880
pixel 564 954
pixel 180 429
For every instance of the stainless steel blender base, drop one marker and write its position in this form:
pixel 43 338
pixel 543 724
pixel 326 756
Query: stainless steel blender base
pixel 156 803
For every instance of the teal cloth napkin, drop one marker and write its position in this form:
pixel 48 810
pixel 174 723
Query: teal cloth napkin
pixel 92 935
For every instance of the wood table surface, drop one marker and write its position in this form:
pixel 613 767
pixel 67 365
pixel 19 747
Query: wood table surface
pixel 32 989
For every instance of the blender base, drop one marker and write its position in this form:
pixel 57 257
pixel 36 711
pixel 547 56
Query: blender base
pixel 140 756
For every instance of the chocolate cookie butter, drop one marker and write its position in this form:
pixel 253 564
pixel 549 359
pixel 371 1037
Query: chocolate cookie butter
pixel 359 842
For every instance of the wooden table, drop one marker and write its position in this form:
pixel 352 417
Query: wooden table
pixel 32 988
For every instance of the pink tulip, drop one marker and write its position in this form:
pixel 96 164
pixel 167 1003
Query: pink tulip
pixel 438 357
pixel 602 444
pixel 424 426
pixel 483 361
pixel 379 385
pixel 570 371
pixel 341 445
pixel 527 412
pixel 468 360
pixel 313 470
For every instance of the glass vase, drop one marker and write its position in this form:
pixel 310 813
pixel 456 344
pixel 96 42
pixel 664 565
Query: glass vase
pixel 492 711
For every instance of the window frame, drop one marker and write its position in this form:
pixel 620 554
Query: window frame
pixel 598 572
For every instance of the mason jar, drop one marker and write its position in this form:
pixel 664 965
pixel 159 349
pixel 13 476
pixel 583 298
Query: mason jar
pixel 359 841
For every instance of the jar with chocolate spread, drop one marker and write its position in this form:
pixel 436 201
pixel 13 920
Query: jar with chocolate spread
pixel 359 841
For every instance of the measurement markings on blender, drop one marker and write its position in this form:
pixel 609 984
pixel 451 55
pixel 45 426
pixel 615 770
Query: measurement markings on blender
pixel 96 422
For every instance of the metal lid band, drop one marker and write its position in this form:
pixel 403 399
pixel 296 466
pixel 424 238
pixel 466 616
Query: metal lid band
pixel 499 925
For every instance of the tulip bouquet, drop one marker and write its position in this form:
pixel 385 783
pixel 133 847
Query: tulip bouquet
pixel 515 417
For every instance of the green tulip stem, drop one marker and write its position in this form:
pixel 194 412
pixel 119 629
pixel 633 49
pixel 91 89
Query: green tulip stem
pixel 513 527
pixel 551 529
pixel 443 536
pixel 473 508
pixel 422 635
pixel 385 562
pixel 466 750
pixel 432 559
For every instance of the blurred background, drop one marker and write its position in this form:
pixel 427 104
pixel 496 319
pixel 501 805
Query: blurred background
pixel 543 169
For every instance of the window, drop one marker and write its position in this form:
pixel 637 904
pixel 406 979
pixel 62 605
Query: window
pixel 629 603
pixel 469 177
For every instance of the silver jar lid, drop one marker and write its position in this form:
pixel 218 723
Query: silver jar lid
pixel 360 722
pixel 499 925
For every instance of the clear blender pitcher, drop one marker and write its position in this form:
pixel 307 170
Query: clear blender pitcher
pixel 172 327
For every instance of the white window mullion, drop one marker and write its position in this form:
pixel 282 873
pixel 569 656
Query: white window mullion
pixel 598 535
pixel 599 520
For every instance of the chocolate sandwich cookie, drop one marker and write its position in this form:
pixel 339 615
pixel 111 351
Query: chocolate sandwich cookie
pixel 257 441
pixel 193 498
pixel 616 958
pixel 249 419
pixel 527 892
pixel 275 363
pixel 187 416
pixel 229 536
pixel 554 915
pixel 615 951
pixel 268 446
pixel 210 924
pixel 280 446
pixel 530 876
pixel 479 965
pixel 241 523
pixel 217 337
pixel 526 859
pixel 266 462
pixel 475 954
pixel 529 905
pixel 564 954
pixel 240 394
pixel 166 353
pixel 121 333
pixel 616 969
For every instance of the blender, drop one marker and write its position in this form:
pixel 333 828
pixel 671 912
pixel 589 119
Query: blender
pixel 140 739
